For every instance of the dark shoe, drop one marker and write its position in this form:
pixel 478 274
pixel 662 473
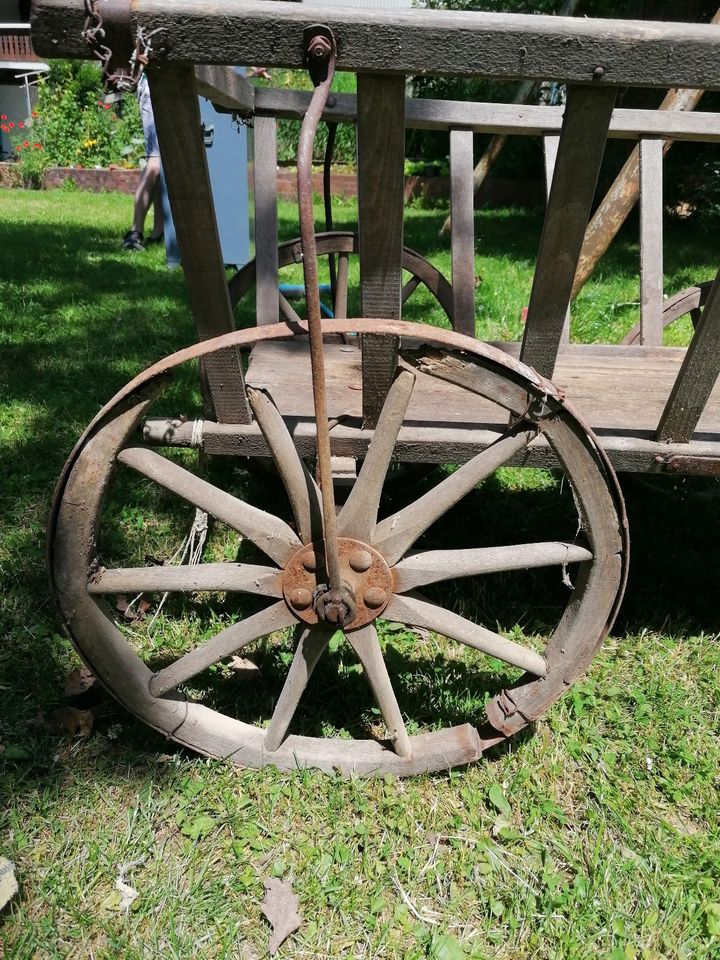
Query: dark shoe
pixel 133 240
pixel 153 238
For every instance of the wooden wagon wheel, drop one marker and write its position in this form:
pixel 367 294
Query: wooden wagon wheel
pixel 381 566
pixel 343 244
pixel 689 301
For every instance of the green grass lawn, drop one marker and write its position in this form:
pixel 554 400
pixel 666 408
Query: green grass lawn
pixel 595 834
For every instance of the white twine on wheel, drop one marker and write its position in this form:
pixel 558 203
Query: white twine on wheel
pixel 196 436
pixel 190 550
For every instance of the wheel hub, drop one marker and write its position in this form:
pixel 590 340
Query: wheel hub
pixel 366 589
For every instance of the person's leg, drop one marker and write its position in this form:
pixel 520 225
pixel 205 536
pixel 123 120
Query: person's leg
pixel 145 193
pixel 158 215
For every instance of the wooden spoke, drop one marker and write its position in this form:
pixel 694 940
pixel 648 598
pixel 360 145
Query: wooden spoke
pixel 409 289
pixel 311 645
pixel 340 307
pixel 301 487
pixel 223 644
pixel 358 517
pixel 435 565
pixel 366 645
pixel 180 578
pixel 287 310
pixel 270 534
pixel 420 613
pixel 396 534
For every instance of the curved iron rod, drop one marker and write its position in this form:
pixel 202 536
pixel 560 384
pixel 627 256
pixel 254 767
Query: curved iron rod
pixel 321 54
pixel 327 201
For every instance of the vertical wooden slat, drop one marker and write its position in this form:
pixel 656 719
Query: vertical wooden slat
pixel 381 157
pixel 266 221
pixel 463 231
pixel 177 119
pixel 580 151
pixel 651 241
pixel 697 376
pixel 550 149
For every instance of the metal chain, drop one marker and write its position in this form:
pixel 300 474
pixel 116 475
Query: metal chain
pixel 93 33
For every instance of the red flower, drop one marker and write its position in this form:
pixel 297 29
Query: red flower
pixel 2 116
pixel 106 106
pixel 38 146
pixel 26 143
pixel 10 126
pixel 20 125
pixel 34 113
pixel 4 127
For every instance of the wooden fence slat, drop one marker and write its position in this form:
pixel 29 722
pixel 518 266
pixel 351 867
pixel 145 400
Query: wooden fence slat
pixel 463 231
pixel 266 220
pixel 651 241
pixel 697 376
pixel 177 119
pixel 381 158
pixel 582 142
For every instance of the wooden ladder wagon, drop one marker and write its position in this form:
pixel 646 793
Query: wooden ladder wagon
pixel 408 392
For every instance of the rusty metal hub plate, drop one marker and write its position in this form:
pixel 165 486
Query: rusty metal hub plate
pixel 363 570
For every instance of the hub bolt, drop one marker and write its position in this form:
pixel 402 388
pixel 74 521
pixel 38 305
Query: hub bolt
pixel 300 598
pixel 360 561
pixel 374 597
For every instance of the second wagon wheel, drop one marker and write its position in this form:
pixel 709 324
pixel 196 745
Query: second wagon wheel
pixel 689 302
pixel 418 273
pixel 382 562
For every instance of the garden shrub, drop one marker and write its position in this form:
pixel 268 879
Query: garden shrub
pixel 72 126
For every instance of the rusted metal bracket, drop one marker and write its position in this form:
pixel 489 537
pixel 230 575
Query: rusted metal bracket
pixel 690 465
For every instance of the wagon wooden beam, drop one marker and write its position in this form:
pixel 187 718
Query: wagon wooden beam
pixel 580 151
pixel 495 118
pixel 381 157
pixel 177 119
pixel 453 43
pixel 625 190
pixel 493 150
pixel 697 377
pixel 226 88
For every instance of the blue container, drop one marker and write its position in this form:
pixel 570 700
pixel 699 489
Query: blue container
pixel 226 143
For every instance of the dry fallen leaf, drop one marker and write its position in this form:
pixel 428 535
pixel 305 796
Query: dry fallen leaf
pixel 280 909
pixel 245 667
pixel 75 722
pixel 129 609
pixel 78 682
pixel 128 894
pixel 8 882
